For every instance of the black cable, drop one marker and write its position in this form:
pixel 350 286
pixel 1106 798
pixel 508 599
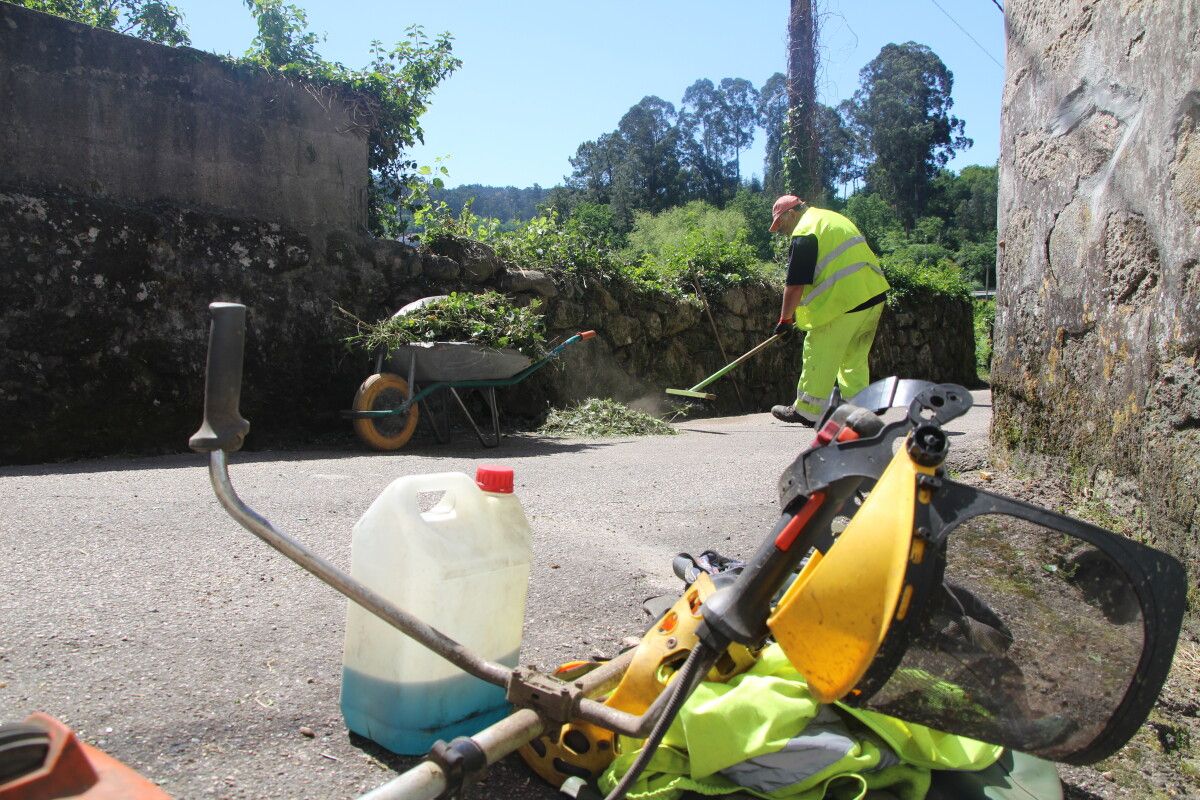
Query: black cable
pixel 968 33
pixel 685 681
pixel 997 4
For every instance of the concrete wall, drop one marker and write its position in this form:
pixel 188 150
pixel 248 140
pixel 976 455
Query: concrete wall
pixel 107 115
pixel 1098 303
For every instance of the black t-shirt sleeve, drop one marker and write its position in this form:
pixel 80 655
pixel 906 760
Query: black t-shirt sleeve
pixel 802 260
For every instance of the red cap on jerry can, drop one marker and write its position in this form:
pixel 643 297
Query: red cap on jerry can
pixel 494 479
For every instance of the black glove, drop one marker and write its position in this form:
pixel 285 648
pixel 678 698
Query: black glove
pixel 785 326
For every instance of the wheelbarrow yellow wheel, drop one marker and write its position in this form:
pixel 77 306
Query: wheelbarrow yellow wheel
pixel 384 391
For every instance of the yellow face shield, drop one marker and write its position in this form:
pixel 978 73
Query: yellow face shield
pixel 835 616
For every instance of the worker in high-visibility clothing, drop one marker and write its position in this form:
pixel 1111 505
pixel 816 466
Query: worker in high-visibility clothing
pixel 835 292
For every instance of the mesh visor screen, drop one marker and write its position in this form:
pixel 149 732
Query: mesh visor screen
pixel 1031 642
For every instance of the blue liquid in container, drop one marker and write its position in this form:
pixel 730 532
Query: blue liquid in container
pixel 408 718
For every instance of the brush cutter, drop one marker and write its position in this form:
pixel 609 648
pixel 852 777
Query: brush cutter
pixel 699 395
pixel 939 604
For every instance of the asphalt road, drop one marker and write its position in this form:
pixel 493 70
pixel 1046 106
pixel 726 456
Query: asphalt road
pixel 135 610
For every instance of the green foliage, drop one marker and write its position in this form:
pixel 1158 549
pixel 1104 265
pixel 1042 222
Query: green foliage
pixel 547 242
pixel 283 38
pixel 597 417
pixel 152 20
pixel 597 222
pixel 486 318
pixel 755 208
pixel 875 219
pixel 978 261
pixel 694 242
pixel 985 319
pixel 437 223
pixel 386 98
pixel 909 274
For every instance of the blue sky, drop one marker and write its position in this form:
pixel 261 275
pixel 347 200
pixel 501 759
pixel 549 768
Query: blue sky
pixel 539 78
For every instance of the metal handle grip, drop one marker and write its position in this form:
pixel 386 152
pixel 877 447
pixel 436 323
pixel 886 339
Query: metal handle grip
pixel 223 427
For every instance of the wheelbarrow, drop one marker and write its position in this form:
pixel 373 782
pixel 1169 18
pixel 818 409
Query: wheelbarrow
pixel 387 406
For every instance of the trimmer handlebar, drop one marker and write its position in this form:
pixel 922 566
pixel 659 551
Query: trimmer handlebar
pixel 223 427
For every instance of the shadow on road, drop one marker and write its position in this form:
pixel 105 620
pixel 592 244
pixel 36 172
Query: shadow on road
pixel 517 445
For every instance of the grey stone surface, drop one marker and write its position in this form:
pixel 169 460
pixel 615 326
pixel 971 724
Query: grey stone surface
pixel 1098 303
pixel 529 280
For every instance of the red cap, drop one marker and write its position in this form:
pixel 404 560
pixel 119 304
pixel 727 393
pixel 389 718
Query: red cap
pixel 783 205
pixel 494 479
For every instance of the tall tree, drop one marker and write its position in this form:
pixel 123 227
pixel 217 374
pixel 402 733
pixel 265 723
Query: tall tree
pixel 706 139
pixel 652 148
pixel 740 99
pixel 772 115
pixel 836 146
pixel 636 167
pixel 835 140
pixel 801 161
pixel 902 113
pixel 594 166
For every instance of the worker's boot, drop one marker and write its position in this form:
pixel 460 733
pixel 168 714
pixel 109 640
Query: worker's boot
pixel 790 414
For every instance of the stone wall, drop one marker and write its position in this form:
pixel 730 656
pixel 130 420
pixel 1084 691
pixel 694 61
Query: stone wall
pixel 106 115
pixel 105 332
pixel 1098 304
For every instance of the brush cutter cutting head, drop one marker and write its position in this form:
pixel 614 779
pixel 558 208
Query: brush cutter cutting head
pixel 690 393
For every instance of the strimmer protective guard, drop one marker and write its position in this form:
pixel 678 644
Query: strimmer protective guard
pixel 980 615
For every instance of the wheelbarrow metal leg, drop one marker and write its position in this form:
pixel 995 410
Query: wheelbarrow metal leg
pixel 441 430
pixel 490 395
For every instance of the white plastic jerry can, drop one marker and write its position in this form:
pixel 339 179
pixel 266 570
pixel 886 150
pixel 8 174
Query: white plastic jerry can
pixel 461 567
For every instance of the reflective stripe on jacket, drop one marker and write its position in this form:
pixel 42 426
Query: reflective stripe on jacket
pixel 847 273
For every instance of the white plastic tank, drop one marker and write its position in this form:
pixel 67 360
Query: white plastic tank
pixel 461 567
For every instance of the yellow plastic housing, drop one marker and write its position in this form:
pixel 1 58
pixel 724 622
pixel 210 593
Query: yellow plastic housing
pixel 834 617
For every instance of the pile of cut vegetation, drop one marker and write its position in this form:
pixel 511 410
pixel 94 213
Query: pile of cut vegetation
pixel 485 318
pixel 596 417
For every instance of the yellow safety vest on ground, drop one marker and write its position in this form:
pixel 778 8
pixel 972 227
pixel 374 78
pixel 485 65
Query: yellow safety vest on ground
pixel 847 273
pixel 764 734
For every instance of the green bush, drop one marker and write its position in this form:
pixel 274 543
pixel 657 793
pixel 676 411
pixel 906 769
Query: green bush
pixel 694 242
pixel 907 277
pixel 486 319
pixel 985 318
pixel 874 217
pixel 547 242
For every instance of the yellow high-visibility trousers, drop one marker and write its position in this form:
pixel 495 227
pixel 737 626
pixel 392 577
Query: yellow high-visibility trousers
pixel 837 351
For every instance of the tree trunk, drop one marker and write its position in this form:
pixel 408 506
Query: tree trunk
pixel 801 161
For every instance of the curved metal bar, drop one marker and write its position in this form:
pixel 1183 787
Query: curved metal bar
pixel 390 613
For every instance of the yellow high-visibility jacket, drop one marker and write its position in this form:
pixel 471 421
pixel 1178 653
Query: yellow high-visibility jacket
pixel 847 274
